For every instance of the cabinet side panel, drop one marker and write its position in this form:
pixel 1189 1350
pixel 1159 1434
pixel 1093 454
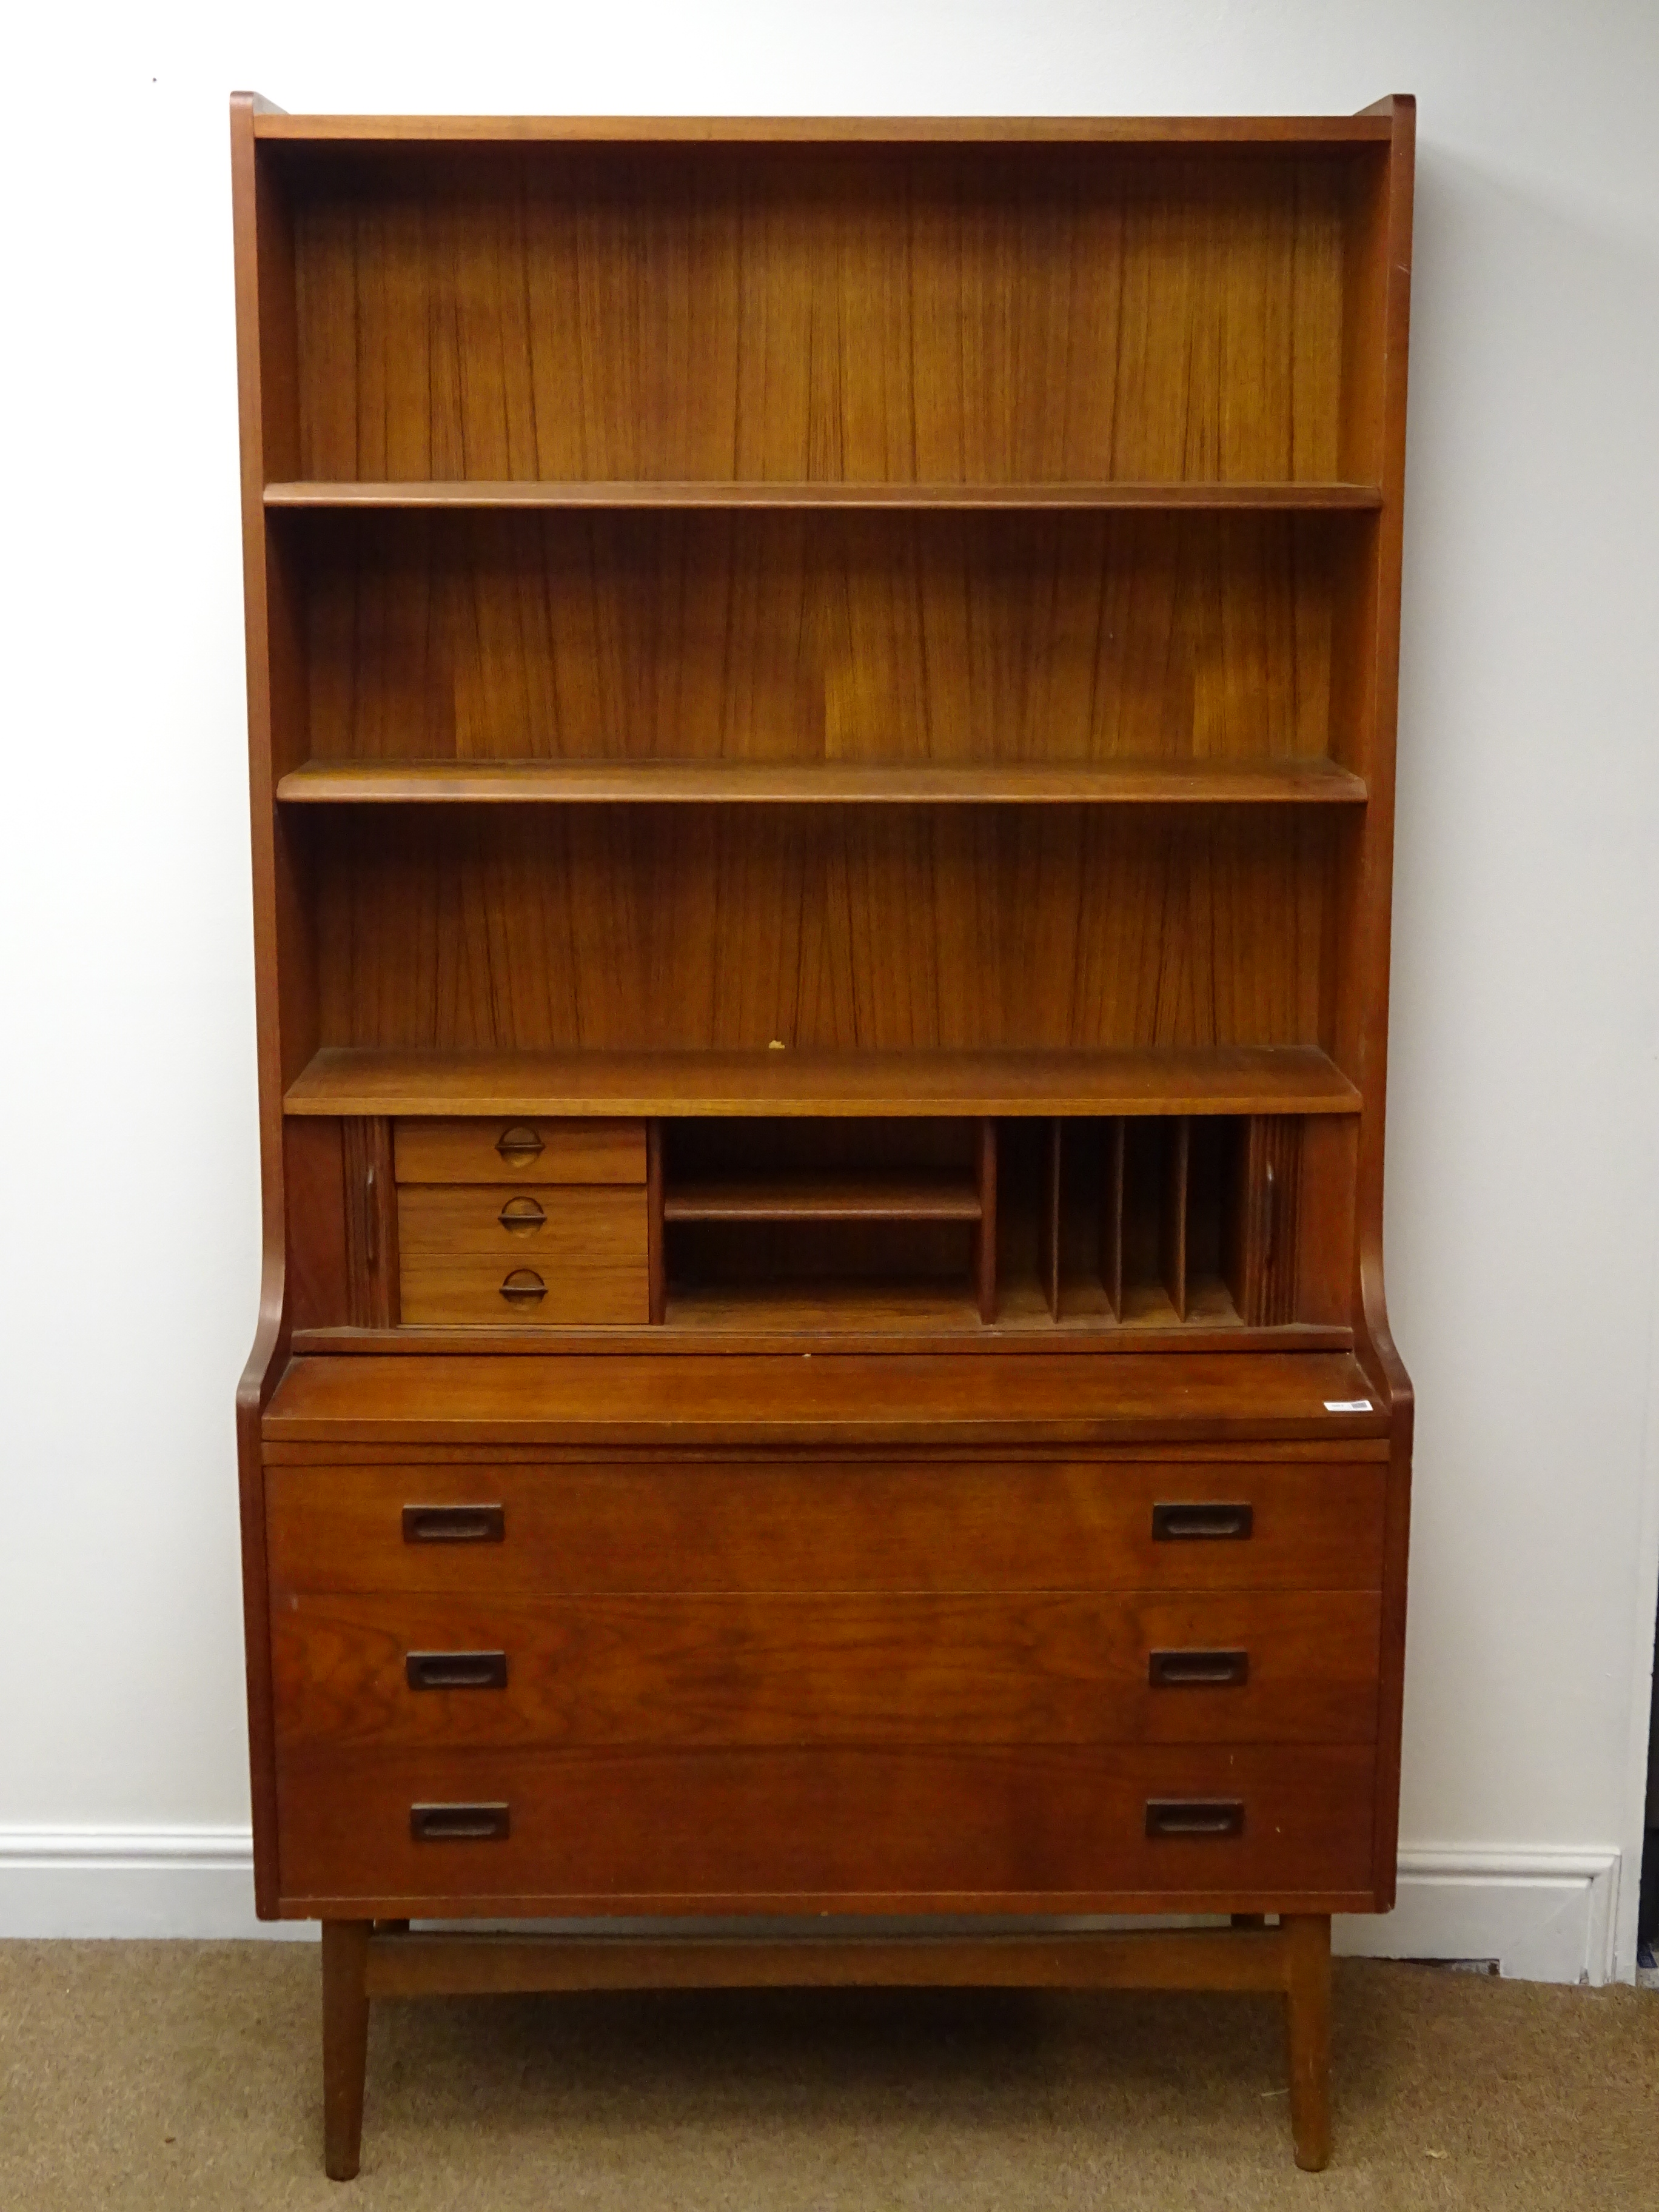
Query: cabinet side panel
pixel 1369 955
pixel 266 376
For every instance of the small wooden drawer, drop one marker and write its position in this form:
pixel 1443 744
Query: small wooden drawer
pixel 801 1523
pixel 520 1151
pixel 975 1828
pixel 500 1256
pixel 766 1669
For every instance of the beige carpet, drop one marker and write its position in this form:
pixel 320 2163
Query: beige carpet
pixel 187 2075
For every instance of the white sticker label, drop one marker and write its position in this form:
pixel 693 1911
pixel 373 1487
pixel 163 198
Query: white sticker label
pixel 1347 1405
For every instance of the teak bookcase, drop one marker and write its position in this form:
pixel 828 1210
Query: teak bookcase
pixel 822 701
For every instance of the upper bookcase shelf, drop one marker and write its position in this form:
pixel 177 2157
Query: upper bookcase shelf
pixel 1139 130
pixel 542 492
pixel 1214 1080
pixel 849 782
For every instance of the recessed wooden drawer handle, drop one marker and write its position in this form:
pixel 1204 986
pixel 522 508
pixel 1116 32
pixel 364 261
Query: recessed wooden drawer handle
pixel 1188 1524
pixel 520 1216
pixel 517 1144
pixel 1195 1816
pixel 454 1524
pixel 455 1670
pixel 1197 1670
pixel 459 1824
pixel 523 1287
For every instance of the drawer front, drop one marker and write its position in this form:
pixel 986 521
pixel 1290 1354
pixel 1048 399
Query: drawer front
pixel 868 1829
pixel 504 1256
pixel 771 1524
pixel 519 1152
pixel 1260 1668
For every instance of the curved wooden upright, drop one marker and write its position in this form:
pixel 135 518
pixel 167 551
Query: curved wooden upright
pixel 821 704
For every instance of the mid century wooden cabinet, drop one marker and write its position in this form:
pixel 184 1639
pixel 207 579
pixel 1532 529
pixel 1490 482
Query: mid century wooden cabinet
pixel 822 701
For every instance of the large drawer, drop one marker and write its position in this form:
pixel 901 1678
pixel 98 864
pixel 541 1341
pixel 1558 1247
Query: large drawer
pixel 834 1669
pixel 964 1829
pixel 807 1524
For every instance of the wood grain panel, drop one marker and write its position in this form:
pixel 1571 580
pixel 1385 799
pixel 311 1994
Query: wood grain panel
pixel 930 313
pixel 760 1669
pixel 630 928
pixel 313 1178
pixel 477 1151
pixel 587 1249
pixel 868 1829
pixel 912 639
pixel 371 1220
pixel 1262 1236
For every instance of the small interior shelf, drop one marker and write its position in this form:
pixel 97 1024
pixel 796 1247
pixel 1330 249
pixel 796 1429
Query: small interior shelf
pixel 546 492
pixel 1214 1079
pixel 1193 782
pixel 827 1198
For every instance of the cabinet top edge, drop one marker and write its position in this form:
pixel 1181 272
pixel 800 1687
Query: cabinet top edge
pixel 1267 131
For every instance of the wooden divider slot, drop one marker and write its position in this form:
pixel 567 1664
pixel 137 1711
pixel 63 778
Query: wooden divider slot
pixel 1048 1217
pixel 985 1240
pixel 656 1269
pixel 1173 1243
pixel 1111 1218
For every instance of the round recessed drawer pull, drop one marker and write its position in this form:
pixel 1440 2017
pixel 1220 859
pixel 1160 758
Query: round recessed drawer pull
pixel 519 1143
pixel 520 1216
pixel 523 1287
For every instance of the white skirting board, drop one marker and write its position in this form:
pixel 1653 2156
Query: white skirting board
pixel 106 1881
pixel 1544 1915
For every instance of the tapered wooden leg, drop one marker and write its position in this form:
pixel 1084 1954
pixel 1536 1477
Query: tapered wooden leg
pixel 1308 2018
pixel 345 2044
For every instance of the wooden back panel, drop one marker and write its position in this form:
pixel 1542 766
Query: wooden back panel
pixel 904 314
pixel 862 929
pixel 902 637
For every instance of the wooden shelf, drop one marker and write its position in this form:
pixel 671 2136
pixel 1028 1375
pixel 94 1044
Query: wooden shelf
pixel 549 493
pixel 1221 1080
pixel 880 1310
pixel 827 1198
pixel 930 1322
pixel 652 782
pixel 722 1400
pixel 1267 131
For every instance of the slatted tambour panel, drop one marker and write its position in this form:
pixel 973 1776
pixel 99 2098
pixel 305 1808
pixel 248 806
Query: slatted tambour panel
pixel 837 927
pixel 905 314
pixel 942 638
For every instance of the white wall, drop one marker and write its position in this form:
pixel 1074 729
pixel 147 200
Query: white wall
pixel 1524 1172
